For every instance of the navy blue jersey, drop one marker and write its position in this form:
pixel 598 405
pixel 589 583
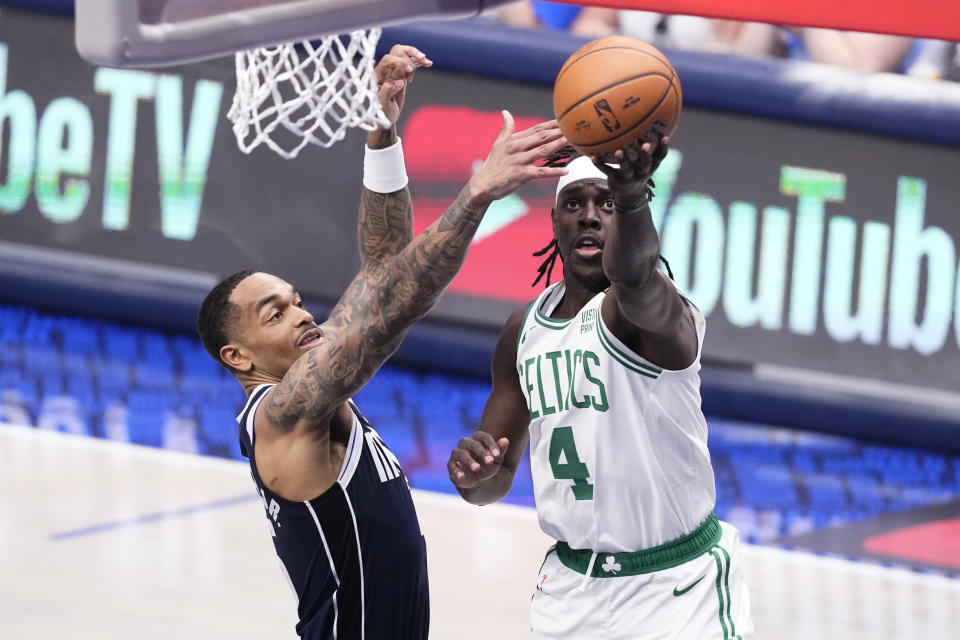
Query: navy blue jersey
pixel 354 555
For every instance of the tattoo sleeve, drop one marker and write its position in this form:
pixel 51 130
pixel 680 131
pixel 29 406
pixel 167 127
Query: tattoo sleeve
pixel 382 138
pixel 368 323
pixel 385 225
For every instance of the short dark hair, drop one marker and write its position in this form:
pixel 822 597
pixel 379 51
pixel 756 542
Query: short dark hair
pixel 218 317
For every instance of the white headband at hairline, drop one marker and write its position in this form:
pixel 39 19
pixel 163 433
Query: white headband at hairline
pixel 581 168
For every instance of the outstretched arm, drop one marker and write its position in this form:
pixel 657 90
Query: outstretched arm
pixel 482 466
pixel 644 309
pixel 385 225
pixel 382 303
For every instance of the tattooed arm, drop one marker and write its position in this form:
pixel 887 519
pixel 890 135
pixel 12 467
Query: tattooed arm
pixel 384 301
pixel 385 224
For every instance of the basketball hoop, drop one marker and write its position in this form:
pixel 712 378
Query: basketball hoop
pixel 287 96
pixel 292 95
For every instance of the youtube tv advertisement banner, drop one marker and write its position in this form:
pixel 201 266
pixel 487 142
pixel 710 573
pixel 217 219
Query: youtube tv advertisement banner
pixel 818 248
pixel 806 247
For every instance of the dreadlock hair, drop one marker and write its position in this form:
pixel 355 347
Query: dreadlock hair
pixel 218 316
pixel 561 158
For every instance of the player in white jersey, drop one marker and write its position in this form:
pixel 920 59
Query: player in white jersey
pixel 601 373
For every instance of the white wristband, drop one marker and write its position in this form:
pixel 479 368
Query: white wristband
pixel 384 170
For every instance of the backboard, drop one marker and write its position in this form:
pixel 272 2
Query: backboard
pixel 158 33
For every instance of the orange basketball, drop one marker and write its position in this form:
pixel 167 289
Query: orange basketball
pixel 613 91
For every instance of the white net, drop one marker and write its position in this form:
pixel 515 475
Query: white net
pixel 292 95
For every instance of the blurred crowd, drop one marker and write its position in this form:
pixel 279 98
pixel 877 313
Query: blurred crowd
pixel 935 59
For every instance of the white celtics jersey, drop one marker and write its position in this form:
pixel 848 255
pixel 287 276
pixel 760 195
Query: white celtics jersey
pixel 618 446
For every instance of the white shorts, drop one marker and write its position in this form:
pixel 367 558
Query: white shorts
pixel 702 599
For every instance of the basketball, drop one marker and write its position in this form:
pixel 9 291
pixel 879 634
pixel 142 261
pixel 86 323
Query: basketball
pixel 613 91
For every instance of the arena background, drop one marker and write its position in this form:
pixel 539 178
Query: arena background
pixel 810 212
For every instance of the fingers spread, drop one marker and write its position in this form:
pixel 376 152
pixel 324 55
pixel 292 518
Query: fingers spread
pixel 548 125
pixel 603 166
pixel 662 150
pixel 508 125
pixel 542 173
pixel 543 142
pixel 638 153
pixel 529 138
pixel 543 150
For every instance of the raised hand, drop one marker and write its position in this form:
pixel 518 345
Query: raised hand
pixel 476 459
pixel 513 158
pixel 394 72
pixel 637 163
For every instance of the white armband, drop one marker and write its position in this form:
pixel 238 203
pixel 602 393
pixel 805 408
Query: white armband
pixel 384 170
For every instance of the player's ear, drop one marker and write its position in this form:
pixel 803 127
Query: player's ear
pixel 236 357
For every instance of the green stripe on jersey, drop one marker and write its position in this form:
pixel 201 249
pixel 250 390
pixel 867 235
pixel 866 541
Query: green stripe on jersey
pixel 551 323
pixel 631 357
pixel 630 364
pixel 521 336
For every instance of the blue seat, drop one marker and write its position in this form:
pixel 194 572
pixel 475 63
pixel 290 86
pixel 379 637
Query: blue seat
pixel 218 429
pixel 77 365
pixel 120 344
pixel 155 376
pixel 41 359
pixel 155 342
pixel 146 427
pixel 766 486
pixel 112 376
pixel 79 336
pixel 827 493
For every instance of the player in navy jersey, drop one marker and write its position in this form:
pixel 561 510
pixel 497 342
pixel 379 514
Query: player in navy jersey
pixel 343 522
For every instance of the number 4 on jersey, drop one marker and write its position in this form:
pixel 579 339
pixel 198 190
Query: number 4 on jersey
pixel 566 463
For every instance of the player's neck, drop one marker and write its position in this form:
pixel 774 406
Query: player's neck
pixel 254 379
pixel 576 294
